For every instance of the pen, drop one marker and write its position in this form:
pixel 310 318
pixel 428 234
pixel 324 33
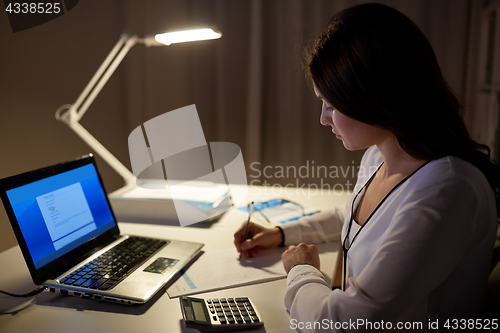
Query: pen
pixel 250 210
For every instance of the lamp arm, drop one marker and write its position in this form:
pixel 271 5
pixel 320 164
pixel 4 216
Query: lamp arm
pixel 73 113
pixel 103 74
pixel 100 71
pixel 106 155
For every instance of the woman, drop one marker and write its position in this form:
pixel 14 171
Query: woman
pixel 418 233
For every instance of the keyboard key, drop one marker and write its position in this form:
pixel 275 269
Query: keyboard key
pixel 88 283
pixel 97 284
pixel 79 282
pixel 106 286
pixel 241 299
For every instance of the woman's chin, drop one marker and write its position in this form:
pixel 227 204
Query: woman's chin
pixel 349 146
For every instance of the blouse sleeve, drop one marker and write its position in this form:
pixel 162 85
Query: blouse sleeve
pixel 318 228
pixel 327 226
pixel 423 246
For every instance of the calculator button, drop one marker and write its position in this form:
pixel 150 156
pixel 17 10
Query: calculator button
pixel 214 318
pixel 241 307
pixel 244 313
pixel 247 319
pixel 209 301
pixel 234 308
pixel 220 313
pixel 255 319
pixel 251 313
pixel 230 299
pixel 222 299
pixel 215 300
pixel 230 320
pixel 222 320
pixel 238 319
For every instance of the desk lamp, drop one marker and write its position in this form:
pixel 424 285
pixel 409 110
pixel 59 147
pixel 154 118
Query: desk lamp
pixel 70 114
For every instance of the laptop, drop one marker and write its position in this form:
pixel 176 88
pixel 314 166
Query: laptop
pixel 71 242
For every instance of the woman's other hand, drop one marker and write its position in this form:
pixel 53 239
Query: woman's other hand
pixel 300 254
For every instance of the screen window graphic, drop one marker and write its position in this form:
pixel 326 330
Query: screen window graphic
pixel 67 214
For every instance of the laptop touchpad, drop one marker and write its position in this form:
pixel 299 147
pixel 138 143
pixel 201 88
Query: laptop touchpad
pixel 161 265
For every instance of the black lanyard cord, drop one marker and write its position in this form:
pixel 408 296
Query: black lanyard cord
pixel 344 247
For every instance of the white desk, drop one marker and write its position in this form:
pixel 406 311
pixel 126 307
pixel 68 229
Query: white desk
pixel 50 313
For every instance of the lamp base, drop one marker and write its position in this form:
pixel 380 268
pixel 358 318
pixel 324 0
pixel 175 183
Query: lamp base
pixel 130 204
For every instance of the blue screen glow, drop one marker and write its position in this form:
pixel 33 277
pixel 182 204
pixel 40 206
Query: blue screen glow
pixel 59 213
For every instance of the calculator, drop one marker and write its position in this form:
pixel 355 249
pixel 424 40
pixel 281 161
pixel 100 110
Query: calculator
pixel 220 314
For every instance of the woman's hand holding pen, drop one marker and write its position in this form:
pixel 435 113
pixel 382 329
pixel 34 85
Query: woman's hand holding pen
pixel 262 238
pixel 258 238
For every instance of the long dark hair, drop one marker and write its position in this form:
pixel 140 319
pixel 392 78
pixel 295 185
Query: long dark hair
pixel 375 65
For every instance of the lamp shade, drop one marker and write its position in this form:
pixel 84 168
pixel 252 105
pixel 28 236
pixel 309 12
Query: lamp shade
pixel 168 38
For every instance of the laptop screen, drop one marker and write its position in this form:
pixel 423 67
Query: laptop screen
pixel 61 212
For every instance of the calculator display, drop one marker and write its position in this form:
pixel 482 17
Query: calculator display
pixel 199 313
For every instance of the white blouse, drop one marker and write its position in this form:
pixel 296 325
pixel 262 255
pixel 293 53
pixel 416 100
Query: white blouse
pixel 424 255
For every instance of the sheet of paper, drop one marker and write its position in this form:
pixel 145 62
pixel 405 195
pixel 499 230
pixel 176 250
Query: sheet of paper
pixel 223 269
pixel 280 214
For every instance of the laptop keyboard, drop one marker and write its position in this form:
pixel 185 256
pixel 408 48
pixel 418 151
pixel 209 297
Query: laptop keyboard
pixel 114 265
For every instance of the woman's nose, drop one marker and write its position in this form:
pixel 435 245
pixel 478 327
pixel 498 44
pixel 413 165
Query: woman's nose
pixel 326 117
